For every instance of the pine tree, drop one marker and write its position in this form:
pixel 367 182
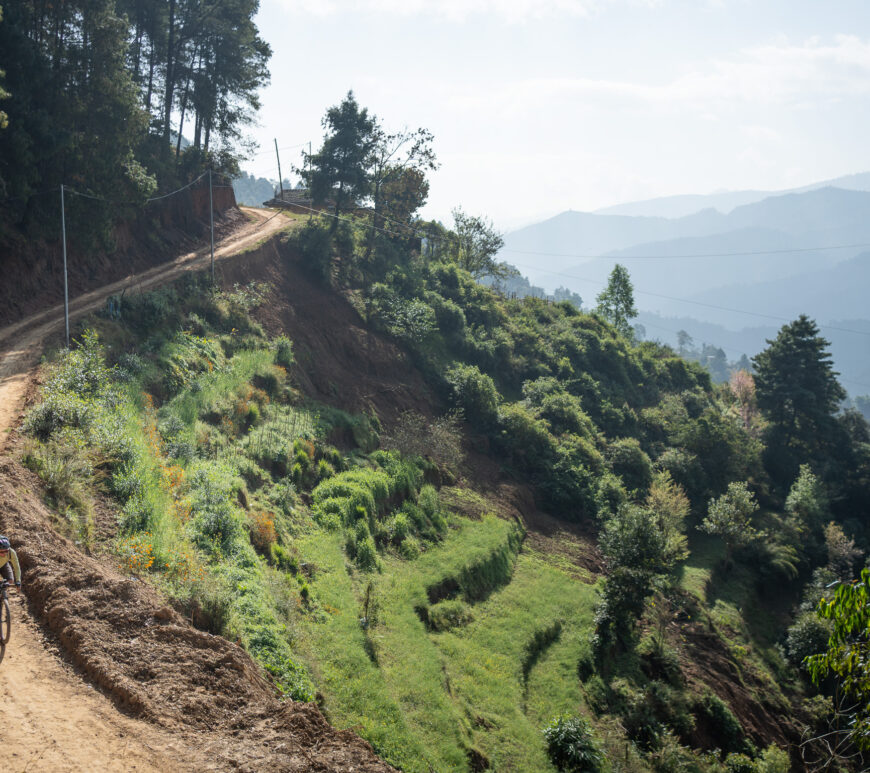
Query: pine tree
pixel 340 169
pixel 797 389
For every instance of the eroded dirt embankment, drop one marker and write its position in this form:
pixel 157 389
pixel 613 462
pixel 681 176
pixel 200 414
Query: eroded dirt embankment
pixel 32 270
pixel 208 705
pixel 188 700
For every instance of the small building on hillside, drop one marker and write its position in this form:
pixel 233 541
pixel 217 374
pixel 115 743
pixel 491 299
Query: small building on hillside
pixel 296 200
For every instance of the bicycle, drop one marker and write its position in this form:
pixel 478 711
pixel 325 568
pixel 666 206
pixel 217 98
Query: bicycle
pixel 5 614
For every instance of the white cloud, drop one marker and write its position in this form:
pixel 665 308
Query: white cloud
pixel 798 76
pixel 460 10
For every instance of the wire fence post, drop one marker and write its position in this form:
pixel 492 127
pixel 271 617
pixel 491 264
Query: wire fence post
pixel 211 216
pixel 65 283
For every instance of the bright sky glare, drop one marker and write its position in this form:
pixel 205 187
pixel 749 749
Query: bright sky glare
pixel 538 106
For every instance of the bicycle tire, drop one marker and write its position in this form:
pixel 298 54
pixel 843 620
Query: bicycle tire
pixel 5 621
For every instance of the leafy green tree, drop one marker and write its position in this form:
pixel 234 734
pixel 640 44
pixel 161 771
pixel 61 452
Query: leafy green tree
pixel 616 301
pixel 635 551
pixel 807 500
pixel 669 506
pixel 730 517
pixel 847 658
pixel 340 170
pixel 474 246
pixel 797 390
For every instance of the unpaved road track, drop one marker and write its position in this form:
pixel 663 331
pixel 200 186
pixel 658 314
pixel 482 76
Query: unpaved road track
pixel 51 720
pixel 21 343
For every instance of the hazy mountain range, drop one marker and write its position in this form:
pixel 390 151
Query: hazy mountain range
pixel 731 272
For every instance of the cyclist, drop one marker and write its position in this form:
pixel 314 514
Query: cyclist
pixel 7 556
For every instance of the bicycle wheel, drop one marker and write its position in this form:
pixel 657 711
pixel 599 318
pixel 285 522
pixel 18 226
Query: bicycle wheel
pixel 5 621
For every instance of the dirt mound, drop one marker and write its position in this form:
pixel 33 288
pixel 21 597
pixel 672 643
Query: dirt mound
pixel 118 631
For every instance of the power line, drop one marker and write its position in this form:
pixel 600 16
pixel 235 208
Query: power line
pixel 694 303
pixel 692 255
pixel 134 203
pixel 285 147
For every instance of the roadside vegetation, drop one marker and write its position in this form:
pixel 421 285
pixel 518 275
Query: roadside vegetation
pixel 367 565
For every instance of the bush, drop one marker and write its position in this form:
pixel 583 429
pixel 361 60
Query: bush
pixel 475 393
pixel 808 636
pixel 261 527
pixel 728 733
pixel 283 559
pixel 314 242
pixel 628 460
pixel 400 528
pixel 283 352
pixel 366 554
pixel 449 614
pixel 409 548
pixel 571 746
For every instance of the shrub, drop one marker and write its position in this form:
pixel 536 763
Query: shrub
pixel 400 527
pixel 409 548
pixel 571 746
pixel 261 527
pixel 283 351
pixel 449 614
pixel 628 460
pixel 475 394
pixel 283 558
pixel 808 636
pixel 727 731
pixel 208 605
pixel 366 554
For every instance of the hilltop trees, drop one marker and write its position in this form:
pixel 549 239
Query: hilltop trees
pixel 475 246
pixel 797 389
pixel 616 301
pixel 101 91
pixel 340 170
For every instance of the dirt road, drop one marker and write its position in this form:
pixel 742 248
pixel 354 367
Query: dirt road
pixel 49 718
pixel 21 343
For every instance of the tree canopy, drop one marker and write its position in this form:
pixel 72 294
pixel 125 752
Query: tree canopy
pixel 797 390
pixel 616 301
pixel 341 170
pixel 475 246
pixel 101 91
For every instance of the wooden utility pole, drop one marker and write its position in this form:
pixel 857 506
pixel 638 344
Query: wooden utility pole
pixel 65 283
pixel 211 216
pixel 280 178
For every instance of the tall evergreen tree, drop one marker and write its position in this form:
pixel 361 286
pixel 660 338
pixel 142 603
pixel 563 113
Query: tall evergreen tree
pixel 616 301
pixel 340 169
pixel 797 389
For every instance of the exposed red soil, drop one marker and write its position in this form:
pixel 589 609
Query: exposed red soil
pixel 709 665
pixel 338 360
pixel 33 270
pixel 200 688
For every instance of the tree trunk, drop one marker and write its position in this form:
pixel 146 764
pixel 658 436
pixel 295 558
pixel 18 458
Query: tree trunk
pixel 170 73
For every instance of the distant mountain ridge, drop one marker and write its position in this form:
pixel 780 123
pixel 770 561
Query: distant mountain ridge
pixel 762 259
pixel 724 202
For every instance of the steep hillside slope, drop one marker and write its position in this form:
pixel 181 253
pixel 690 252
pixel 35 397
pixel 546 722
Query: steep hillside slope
pixel 215 709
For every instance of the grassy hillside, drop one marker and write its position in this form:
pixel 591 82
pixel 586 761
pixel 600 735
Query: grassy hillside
pixel 397 565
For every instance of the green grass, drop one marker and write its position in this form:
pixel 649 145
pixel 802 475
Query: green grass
pixel 424 698
pixel 217 386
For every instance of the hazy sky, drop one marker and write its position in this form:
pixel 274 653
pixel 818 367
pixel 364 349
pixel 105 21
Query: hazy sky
pixel 538 106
